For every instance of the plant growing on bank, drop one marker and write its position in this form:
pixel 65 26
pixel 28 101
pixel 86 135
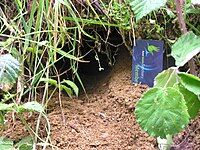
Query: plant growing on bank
pixel 167 108
pixel 9 73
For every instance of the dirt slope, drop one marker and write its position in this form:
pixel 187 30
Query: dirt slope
pixel 105 120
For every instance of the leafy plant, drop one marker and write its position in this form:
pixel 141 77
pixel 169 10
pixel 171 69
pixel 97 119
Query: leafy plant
pixel 143 7
pixel 25 144
pixel 185 48
pixel 9 71
pixel 69 90
pixel 166 109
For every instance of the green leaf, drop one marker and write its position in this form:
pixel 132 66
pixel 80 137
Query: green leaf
pixel 190 82
pixel 32 106
pixel 167 78
pixel 72 85
pixel 195 2
pixel 67 90
pixel 162 111
pixel 2 118
pixel 6 144
pixel 143 7
pixel 25 144
pixel 62 86
pixel 9 71
pixel 6 107
pixel 186 47
pixel 192 101
pixel 51 81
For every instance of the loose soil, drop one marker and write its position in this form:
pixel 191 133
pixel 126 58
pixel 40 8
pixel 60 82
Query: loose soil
pixel 104 119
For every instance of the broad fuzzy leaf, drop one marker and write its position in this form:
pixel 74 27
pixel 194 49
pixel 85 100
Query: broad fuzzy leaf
pixel 192 101
pixel 186 47
pixel 162 111
pixel 143 7
pixel 9 71
pixel 167 78
pixel 190 82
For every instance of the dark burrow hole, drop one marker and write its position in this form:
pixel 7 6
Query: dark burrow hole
pixel 99 57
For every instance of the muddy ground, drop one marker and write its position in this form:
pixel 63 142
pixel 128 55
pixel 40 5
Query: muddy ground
pixel 104 119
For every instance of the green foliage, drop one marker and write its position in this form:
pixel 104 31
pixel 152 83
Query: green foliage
pixel 31 106
pixel 72 85
pixel 192 101
pixel 162 112
pixel 166 108
pixel 64 86
pixel 26 107
pixel 162 79
pixel 190 82
pixel 120 14
pixel 6 144
pixel 9 71
pixel 186 47
pixel 196 2
pixel 25 144
pixel 6 107
pixel 143 7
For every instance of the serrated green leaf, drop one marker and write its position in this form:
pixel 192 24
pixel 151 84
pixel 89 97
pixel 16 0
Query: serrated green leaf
pixel 6 144
pixel 190 82
pixel 9 71
pixel 72 85
pixel 162 111
pixel 186 47
pixel 192 101
pixel 143 7
pixel 167 78
pixel 32 106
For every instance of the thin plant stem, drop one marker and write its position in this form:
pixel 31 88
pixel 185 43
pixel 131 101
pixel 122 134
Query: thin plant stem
pixel 182 24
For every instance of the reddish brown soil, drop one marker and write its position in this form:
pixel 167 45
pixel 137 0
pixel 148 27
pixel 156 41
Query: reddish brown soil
pixel 104 119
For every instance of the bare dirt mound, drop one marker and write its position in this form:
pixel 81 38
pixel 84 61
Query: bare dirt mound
pixel 105 119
